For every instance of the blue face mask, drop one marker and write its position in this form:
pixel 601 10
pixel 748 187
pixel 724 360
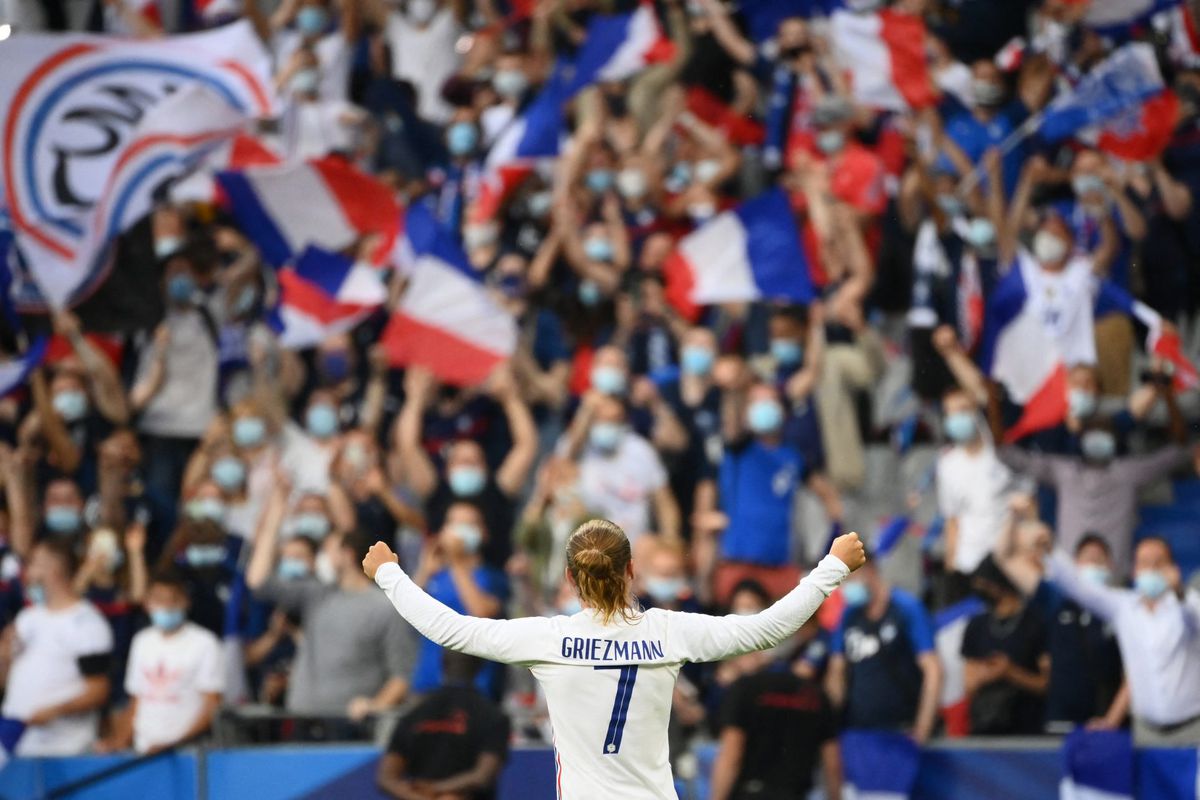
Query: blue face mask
pixel 598 249
pixel 960 427
pixel 540 204
pixel 608 380
pixel 589 293
pixel 605 436
pixel 764 416
pixel 36 594
pixel 181 289
pixel 470 536
pixel 696 360
pixel 1151 584
pixel 321 421
pixel 665 590
pixel 291 569
pixel 63 519
pixel 787 352
pixel 1082 404
pixel 1095 574
pixel 466 481
pixel 599 180
pixel 206 508
pixel 167 619
pixel 981 234
pixel 855 594
pixel 571 607
pixel 462 138
pixel 249 431
pixel 1098 446
pixel 205 555
pixel 312 20
pixel 951 205
pixel 71 405
pixel 310 525
pixel 680 177
pixel 305 81
pixel 829 142
pixel 229 473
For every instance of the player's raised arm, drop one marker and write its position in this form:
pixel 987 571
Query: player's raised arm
pixel 516 641
pixel 700 637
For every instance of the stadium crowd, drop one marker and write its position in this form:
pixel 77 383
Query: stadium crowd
pixel 186 504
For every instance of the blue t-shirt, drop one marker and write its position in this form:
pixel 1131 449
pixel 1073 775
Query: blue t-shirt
pixel 975 138
pixel 757 485
pixel 883 679
pixel 427 674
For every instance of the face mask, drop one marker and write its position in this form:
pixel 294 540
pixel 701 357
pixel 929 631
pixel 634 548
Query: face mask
pixel 104 545
pixel 540 204
pixel 571 607
pixel 1082 404
pixel 1095 574
pixel 830 142
pixel 181 289
pixel 71 405
pixel 855 594
pixel 794 52
pixel 680 177
pixel 311 20
pixel 467 481
pixel 334 366
pixel 167 619
pixel 764 416
pixel 36 594
pixel 1049 248
pixel 1098 446
pixel 206 508
pixel 305 81
pixel 229 473
pixel 665 590
pixel 696 360
pixel 249 431
pixel 421 11
pixel 462 138
pixel 469 535
pixel 951 205
pixel 701 212
pixel 246 299
pixel 631 183
pixel 605 436
pixel 981 234
pixel 960 427
pixel 1087 184
pixel 986 93
pixel 166 246
pixel 480 235
pixel 589 293
pixel 1151 584
pixel 787 352
pixel 510 83
pixel 325 571
pixel 310 525
pixel 321 421
pixel 205 555
pixel 599 181
pixel 291 569
pixel 355 456
pixel 598 249
pixel 707 169
pixel 63 519
pixel 608 380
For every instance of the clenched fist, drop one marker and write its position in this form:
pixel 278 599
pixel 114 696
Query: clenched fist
pixel 848 548
pixel 381 554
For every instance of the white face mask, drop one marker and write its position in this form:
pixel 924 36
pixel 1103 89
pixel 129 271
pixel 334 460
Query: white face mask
pixel 324 570
pixel 1049 248
pixel 421 11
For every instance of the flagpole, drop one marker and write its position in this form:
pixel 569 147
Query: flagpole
pixel 1006 146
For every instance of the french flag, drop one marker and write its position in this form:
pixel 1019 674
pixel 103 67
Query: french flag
pixel 326 202
pixel 884 54
pixel 1112 93
pixel 446 321
pixel 241 152
pixel 15 371
pixel 618 46
pixel 949 625
pixel 751 252
pixel 213 10
pixel 1185 37
pixel 1024 353
pixel 530 137
pixel 880 765
pixel 324 293
pixel 1162 340
pixel 1097 765
pixel 1116 18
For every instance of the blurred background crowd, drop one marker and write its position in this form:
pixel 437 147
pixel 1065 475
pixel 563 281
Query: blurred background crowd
pixel 186 501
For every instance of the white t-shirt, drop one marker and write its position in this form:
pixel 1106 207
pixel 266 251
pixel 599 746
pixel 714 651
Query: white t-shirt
pixel 169 675
pixel 620 486
pixel 426 58
pixel 45 672
pixel 973 489
pixel 609 687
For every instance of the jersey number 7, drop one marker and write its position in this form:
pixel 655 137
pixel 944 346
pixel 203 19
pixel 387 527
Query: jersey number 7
pixel 616 725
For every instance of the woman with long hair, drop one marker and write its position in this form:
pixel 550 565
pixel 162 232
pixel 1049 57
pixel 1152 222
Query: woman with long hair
pixel 609 671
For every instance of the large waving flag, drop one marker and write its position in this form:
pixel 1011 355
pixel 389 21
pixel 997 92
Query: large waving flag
pixel 326 202
pixel 884 54
pixel 446 321
pixel 169 141
pixel 880 765
pixel 1162 340
pixel 241 152
pixel 1097 765
pixel 15 371
pixel 1116 87
pixel 618 46
pixel 69 105
pixel 949 625
pixel 752 252
pixel 322 294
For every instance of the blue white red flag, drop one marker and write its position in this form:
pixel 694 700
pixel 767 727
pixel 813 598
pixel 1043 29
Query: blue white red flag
pixel 618 46
pixel 884 54
pixel 949 625
pixel 241 152
pixel 446 320
pixel 324 293
pixel 1125 80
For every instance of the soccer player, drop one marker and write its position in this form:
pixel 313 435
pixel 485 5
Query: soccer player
pixel 609 671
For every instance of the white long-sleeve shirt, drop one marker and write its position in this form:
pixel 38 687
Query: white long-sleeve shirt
pixel 1160 645
pixel 609 687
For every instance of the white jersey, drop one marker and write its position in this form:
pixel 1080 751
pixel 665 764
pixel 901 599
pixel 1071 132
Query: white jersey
pixel 609 687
